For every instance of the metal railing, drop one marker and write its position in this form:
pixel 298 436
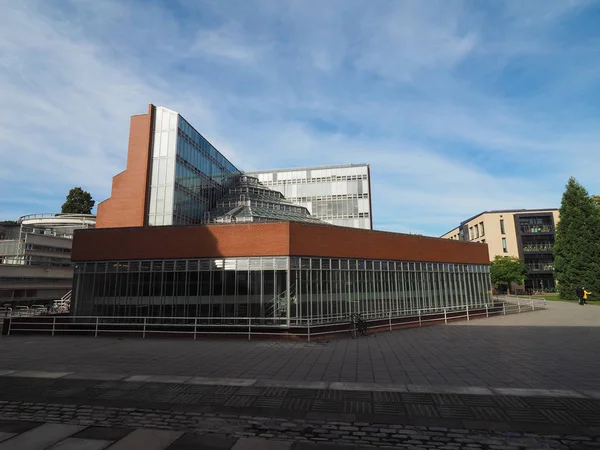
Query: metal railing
pixel 257 326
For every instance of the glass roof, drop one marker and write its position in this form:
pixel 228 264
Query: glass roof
pixel 248 200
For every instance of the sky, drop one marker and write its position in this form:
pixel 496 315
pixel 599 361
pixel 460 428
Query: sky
pixel 458 106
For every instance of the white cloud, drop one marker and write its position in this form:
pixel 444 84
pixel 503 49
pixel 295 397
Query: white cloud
pixel 420 91
pixel 224 44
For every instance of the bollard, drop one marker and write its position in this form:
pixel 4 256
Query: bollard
pixel 468 313
pixel 6 326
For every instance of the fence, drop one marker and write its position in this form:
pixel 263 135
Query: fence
pixel 251 326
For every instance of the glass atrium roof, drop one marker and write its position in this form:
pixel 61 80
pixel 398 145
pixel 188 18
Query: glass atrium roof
pixel 250 201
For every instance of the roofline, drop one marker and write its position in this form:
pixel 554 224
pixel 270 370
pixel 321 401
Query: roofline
pixel 339 166
pixel 498 211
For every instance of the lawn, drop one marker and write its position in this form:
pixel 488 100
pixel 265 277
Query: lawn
pixel 556 298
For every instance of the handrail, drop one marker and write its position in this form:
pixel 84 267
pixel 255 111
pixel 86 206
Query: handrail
pixel 249 326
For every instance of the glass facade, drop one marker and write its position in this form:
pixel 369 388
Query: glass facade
pixel 339 195
pixel 279 290
pixel 187 176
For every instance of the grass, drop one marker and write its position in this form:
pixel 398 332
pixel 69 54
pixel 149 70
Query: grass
pixel 553 297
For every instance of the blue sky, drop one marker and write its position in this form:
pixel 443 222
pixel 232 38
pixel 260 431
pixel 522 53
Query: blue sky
pixel 459 106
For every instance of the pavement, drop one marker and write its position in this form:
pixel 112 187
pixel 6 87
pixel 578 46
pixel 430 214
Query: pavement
pixel 520 381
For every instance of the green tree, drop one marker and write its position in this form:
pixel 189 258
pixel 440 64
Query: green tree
pixel 78 202
pixel 505 270
pixel 596 199
pixel 577 247
pixel 9 222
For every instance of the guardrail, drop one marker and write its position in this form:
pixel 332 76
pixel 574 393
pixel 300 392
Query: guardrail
pixel 254 326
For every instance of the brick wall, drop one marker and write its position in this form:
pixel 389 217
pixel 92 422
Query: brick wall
pixel 320 240
pixel 268 239
pixel 126 206
pixel 208 241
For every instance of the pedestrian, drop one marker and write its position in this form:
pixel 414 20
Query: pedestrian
pixel 586 294
pixel 580 293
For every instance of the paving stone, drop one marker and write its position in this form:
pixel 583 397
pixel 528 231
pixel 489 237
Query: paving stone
pixel 103 433
pixel 147 439
pixel 40 437
pixel 261 444
pixel 4 435
pixel 80 444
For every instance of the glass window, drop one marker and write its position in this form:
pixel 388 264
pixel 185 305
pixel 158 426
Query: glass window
pixel 481 229
pixel 502 226
pixel 504 248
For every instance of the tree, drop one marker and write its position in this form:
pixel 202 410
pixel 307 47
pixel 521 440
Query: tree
pixel 596 199
pixel 78 202
pixel 577 245
pixel 9 222
pixel 506 270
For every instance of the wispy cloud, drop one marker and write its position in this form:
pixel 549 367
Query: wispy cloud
pixel 224 43
pixel 458 106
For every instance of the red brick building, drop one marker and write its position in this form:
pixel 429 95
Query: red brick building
pixel 186 234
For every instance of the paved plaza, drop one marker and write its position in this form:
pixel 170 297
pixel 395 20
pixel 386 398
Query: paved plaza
pixel 519 381
pixel 519 351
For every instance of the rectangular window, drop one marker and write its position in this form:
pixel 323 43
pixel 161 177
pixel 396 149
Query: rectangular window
pixel 504 249
pixel 502 226
pixel 470 233
pixel 476 231
pixel 481 229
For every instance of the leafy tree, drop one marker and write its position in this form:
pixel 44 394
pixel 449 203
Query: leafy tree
pixel 596 199
pixel 78 202
pixel 506 270
pixel 577 247
pixel 9 222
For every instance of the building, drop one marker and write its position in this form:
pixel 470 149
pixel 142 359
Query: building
pixel 525 234
pixel 339 195
pixel 250 254
pixel 288 272
pixel 35 257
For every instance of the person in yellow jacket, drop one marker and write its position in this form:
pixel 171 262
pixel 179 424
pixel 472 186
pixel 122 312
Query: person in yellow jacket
pixel 586 294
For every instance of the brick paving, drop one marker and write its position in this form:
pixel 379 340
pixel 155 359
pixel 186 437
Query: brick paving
pixel 192 430
pixel 486 352
pixel 441 387
pixel 297 414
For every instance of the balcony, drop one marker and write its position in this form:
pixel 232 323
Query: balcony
pixel 540 267
pixel 538 248
pixel 528 229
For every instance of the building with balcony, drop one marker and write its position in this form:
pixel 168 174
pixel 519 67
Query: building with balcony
pixel 185 234
pixel 339 195
pixel 525 234
pixel 35 257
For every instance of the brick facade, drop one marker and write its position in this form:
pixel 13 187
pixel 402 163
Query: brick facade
pixel 126 206
pixel 268 239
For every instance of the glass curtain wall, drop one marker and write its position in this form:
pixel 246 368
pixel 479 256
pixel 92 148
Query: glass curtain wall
pixel 188 175
pixel 281 290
